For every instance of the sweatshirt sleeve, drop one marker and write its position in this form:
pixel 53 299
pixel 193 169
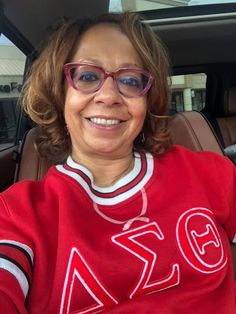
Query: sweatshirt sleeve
pixel 16 264
pixel 6 304
pixel 227 183
pixel 232 218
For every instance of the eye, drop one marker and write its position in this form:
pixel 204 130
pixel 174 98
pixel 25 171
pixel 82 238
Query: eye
pixel 130 81
pixel 86 77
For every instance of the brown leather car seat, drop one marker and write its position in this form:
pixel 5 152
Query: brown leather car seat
pixel 227 124
pixel 191 129
pixel 31 166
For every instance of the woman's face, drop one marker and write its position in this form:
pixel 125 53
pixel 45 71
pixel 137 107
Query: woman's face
pixel 104 123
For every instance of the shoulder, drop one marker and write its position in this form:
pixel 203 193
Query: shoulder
pixel 28 192
pixel 206 165
pixel 182 154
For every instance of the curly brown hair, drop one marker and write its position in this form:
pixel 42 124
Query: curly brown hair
pixel 44 92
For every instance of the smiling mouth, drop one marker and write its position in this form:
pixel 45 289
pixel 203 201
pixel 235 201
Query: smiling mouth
pixel 104 122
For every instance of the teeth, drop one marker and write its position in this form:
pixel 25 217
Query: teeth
pixel 105 122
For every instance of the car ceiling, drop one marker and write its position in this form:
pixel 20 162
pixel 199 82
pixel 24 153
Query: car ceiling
pixel 194 40
pixel 199 41
pixel 33 18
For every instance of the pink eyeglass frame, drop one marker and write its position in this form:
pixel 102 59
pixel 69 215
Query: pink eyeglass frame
pixel 69 66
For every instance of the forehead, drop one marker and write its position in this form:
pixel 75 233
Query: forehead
pixel 106 43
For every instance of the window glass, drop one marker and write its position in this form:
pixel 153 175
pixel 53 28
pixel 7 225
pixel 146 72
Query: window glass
pixel 12 63
pixel 143 5
pixel 188 92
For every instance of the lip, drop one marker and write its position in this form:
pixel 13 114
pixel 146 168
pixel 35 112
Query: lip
pixel 104 117
pixel 105 127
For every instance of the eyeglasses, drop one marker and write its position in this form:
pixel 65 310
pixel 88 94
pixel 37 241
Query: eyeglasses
pixel 89 78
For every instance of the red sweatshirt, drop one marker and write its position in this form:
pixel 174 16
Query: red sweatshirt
pixel 157 241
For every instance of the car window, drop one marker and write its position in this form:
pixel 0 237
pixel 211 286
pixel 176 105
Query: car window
pixel 12 64
pixel 188 92
pixel 143 5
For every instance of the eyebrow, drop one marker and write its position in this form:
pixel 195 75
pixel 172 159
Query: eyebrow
pixel 97 62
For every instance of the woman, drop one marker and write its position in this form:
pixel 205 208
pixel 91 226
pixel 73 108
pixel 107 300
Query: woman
pixel 111 229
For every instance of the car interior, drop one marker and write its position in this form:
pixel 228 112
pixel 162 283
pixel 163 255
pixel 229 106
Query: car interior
pixel 200 39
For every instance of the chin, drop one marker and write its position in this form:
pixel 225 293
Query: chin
pixel 109 150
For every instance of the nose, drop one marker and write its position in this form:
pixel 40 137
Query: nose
pixel 108 93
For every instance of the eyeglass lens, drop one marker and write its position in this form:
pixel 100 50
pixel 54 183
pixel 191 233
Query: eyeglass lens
pixel 88 78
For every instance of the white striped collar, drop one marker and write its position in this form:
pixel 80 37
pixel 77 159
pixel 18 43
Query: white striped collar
pixel 122 190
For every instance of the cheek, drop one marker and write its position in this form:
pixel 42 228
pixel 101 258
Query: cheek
pixel 69 101
pixel 74 103
pixel 67 111
pixel 71 110
pixel 140 110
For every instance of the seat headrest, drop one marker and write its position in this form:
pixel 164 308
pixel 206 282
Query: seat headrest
pixel 191 129
pixel 230 102
pixel 32 166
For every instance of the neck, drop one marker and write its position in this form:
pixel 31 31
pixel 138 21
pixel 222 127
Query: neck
pixel 106 171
